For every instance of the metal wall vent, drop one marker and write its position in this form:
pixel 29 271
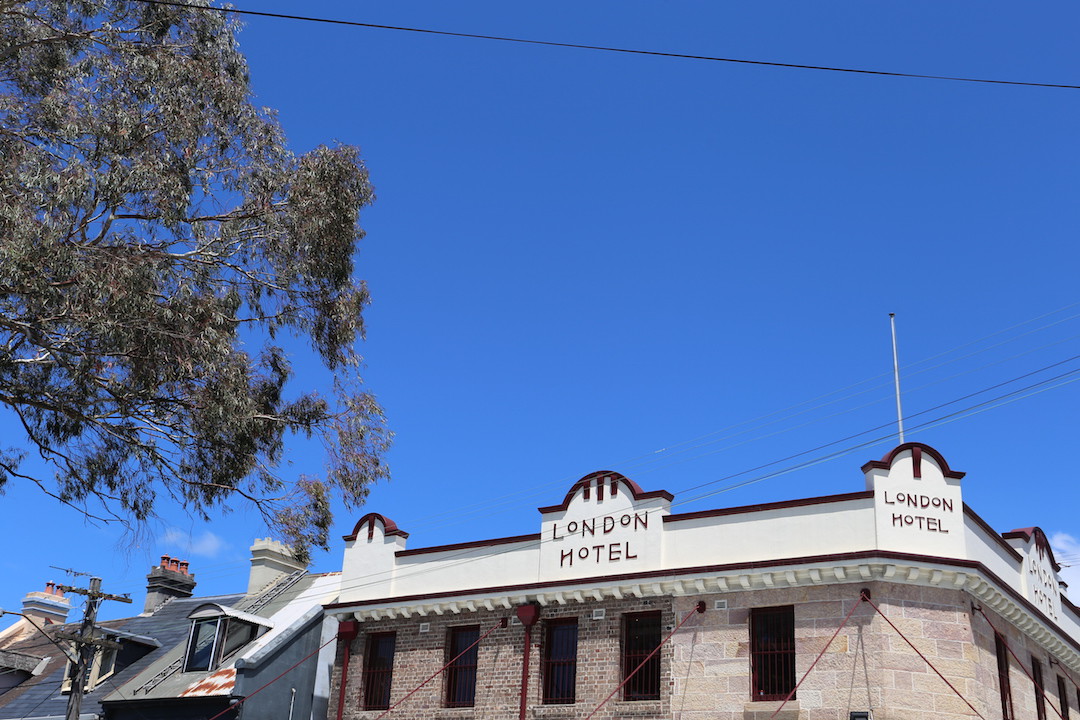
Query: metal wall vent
pixel 598 613
pixel 425 627
pixel 719 605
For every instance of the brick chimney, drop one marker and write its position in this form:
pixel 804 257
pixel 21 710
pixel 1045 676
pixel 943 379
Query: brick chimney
pixel 270 561
pixel 46 607
pixel 167 581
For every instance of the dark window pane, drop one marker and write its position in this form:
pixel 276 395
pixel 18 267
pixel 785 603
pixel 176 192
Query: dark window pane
pixel 237 634
pixel 772 652
pixel 378 670
pixel 461 675
pixel 1003 677
pixel 641 635
pixel 1063 698
pixel 200 654
pixel 1040 699
pixel 560 661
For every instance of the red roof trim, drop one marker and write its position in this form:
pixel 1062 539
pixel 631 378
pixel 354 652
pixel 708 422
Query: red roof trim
pixel 823 500
pixel 992 533
pixel 1041 541
pixel 587 481
pixel 466 545
pixel 390 527
pixel 886 462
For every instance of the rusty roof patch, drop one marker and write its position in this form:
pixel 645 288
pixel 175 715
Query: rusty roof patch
pixel 220 682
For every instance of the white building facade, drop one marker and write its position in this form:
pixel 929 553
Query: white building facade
pixel 896 601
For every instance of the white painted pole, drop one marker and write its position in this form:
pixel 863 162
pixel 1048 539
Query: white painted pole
pixel 896 378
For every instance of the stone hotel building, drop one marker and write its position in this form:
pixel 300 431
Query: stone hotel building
pixel 892 602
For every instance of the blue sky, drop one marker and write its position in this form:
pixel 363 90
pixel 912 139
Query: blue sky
pixel 676 269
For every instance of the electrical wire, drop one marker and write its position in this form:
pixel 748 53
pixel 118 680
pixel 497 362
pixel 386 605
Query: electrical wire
pixel 639 463
pixel 605 48
pixel 466 556
pixel 662 455
pixel 223 569
pixel 456 559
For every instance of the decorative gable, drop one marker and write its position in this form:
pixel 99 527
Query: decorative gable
pixel 606 524
pixel 917 502
pixel 1041 583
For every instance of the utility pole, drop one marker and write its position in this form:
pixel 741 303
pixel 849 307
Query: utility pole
pixel 85 643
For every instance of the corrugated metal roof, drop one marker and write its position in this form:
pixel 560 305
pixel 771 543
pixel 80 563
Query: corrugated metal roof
pixel 219 682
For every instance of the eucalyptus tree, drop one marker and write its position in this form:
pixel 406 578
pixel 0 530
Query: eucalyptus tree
pixel 159 243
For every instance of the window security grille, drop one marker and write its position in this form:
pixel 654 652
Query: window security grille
pixel 641 635
pixel 378 670
pixel 1040 699
pixel 1004 687
pixel 461 675
pixel 772 652
pixel 560 661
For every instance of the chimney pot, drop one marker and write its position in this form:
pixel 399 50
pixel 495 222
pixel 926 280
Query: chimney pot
pixel 167 582
pixel 48 606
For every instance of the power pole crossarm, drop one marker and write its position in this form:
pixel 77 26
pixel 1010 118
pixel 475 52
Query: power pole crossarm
pixel 85 644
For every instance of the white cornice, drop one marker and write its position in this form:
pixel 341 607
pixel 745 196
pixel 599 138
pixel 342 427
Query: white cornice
pixel 974 581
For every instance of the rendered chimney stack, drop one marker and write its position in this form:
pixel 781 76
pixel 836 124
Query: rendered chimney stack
pixel 270 561
pixel 46 606
pixel 167 581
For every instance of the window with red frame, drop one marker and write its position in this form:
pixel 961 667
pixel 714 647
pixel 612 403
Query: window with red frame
pixel 560 661
pixel 461 674
pixel 772 652
pixel 641 635
pixel 378 670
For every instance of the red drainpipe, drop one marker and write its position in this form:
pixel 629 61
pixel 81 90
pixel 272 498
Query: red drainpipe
pixel 347 631
pixel 528 615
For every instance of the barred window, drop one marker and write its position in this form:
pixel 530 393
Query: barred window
pixel 461 674
pixel 1040 699
pixel 772 652
pixel 560 661
pixel 378 670
pixel 641 635
pixel 1004 687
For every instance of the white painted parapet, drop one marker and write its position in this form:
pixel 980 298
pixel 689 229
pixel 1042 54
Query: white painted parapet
pixel 370 559
pixel 609 538
pixel 918 506
pixel 605 525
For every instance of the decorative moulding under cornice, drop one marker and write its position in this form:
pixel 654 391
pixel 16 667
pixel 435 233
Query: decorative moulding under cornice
pixel 967 576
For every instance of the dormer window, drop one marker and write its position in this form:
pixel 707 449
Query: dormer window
pixel 217 633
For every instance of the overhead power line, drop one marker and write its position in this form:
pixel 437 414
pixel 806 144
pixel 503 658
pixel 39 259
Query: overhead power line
pixel 605 48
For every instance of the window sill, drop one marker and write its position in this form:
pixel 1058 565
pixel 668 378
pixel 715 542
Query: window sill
pixel 458 713
pixel 638 708
pixel 763 710
pixel 555 711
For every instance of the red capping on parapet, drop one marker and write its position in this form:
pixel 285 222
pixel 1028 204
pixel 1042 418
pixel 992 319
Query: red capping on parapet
pixel 600 476
pixel 917 450
pixel 1042 543
pixel 390 527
